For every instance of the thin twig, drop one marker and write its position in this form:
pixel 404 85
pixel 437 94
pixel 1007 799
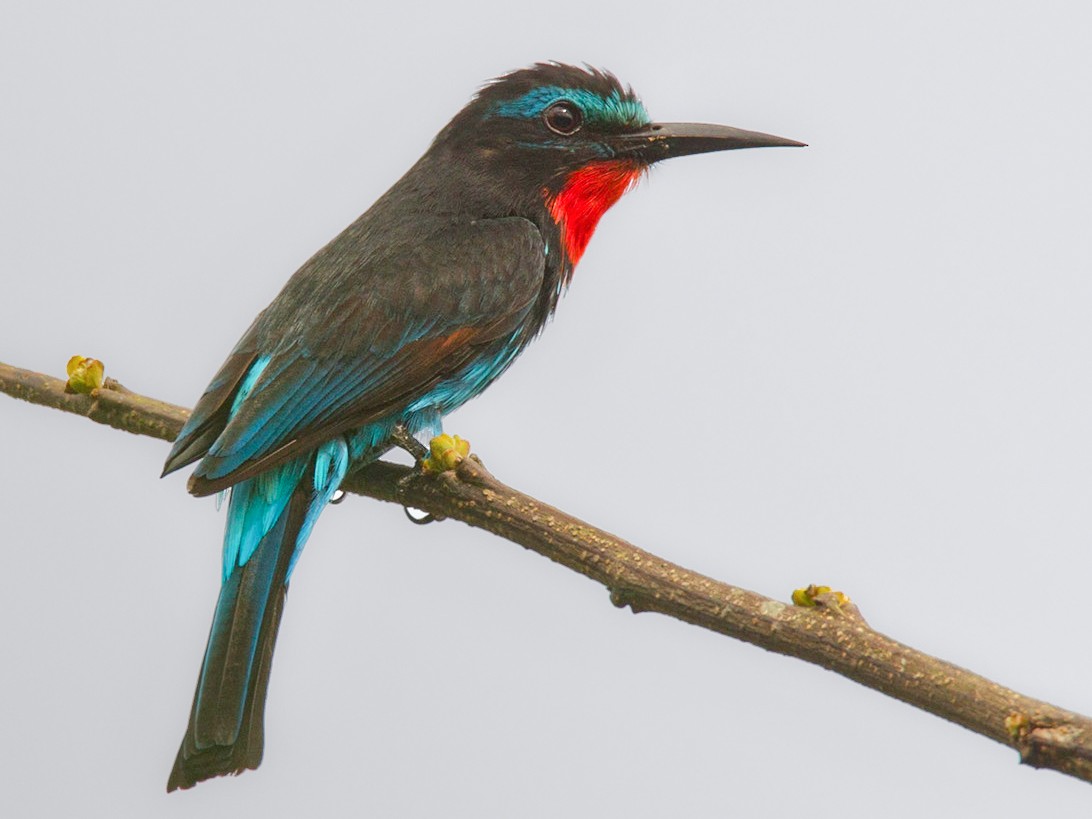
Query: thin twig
pixel 831 635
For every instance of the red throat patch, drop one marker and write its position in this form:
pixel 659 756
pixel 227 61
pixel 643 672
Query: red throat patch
pixel 586 195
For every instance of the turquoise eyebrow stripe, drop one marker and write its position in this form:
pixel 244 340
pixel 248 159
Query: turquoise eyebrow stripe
pixel 611 109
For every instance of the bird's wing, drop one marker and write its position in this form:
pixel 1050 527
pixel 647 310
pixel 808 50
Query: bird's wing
pixel 325 359
pixel 210 414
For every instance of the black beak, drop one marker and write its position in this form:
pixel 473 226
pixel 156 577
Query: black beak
pixel 663 140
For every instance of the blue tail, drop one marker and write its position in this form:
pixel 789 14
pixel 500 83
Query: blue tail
pixel 269 519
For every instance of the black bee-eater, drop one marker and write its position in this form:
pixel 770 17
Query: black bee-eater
pixel 410 312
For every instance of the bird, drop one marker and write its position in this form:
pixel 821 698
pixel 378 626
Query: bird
pixel 411 311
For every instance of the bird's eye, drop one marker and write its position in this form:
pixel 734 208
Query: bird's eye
pixel 563 118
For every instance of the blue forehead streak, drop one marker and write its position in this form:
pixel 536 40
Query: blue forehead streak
pixel 610 109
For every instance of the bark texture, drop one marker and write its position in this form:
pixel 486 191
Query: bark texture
pixel 832 634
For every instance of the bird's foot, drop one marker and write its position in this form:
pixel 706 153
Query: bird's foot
pixel 446 452
pixel 401 438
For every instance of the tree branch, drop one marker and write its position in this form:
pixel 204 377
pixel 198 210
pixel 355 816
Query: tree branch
pixel 833 634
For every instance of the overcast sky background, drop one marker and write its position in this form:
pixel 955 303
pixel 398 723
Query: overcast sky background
pixel 882 341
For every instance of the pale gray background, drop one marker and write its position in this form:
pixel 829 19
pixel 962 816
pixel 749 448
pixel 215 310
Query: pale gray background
pixel 883 342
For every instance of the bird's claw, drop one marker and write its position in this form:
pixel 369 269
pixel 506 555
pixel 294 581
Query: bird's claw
pixel 401 438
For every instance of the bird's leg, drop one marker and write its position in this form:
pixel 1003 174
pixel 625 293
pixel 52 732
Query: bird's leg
pixel 403 440
pixel 444 453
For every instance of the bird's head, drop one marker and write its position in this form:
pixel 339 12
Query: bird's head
pixel 573 139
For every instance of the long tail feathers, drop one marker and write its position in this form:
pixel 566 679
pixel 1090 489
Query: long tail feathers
pixel 225 733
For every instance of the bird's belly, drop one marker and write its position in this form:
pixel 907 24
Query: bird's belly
pixel 422 418
pixel 453 392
